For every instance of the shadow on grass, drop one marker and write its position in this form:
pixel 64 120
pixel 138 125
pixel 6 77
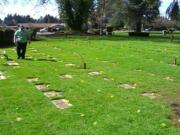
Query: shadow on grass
pixel 41 59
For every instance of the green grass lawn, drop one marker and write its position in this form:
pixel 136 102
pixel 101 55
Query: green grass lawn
pixel 100 105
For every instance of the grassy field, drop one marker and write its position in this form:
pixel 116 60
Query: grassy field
pixel 100 105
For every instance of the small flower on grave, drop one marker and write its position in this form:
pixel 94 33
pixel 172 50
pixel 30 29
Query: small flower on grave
pixel 18 119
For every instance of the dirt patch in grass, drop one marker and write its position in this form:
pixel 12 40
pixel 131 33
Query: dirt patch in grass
pixel 175 117
pixel 62 103
pixel 128 86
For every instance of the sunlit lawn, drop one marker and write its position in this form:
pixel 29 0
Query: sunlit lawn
pixel 100 105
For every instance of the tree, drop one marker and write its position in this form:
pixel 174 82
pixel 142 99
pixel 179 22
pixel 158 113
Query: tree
pixel 75 12
pixel 173 10
pixel 48 19
pixel 137 10
pixel 15 19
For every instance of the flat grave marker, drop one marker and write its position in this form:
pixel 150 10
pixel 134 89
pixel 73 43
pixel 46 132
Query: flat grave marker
pixel 128 86
pixel 62 103
pixel 70 65
pixel 151 95
pixel 32 79
pixel 41 86
pixel 51 94
pixel 95 73
pixel 12 63
pixel 66 76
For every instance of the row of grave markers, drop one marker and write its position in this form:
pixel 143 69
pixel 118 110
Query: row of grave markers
pixel 54 95
pixel 93 73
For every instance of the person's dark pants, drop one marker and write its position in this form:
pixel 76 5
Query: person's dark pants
pixel 21 49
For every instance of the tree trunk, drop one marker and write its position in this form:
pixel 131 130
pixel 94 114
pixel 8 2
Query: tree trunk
pixel 138 26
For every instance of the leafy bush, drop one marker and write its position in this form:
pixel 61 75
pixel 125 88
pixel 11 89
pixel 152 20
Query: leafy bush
pixel 1 35
pixel 8 35
pixel 109 30
pixel 139 34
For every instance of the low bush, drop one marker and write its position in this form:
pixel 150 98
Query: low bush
pixel 139 34
pixel 1 35
pixel 8 35
pixel 109 30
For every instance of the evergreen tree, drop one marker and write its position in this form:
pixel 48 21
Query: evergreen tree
pixel 173 11
pixel 137 10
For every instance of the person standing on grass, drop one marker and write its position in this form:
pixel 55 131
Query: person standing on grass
pixel 21 38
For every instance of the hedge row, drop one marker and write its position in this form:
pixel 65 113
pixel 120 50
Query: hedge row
pixel 138 34
pixel 6 36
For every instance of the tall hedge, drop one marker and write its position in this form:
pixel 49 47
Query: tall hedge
pixel 6 36
pixel 1 35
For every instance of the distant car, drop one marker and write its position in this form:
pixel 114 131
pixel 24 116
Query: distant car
pixel 148 29
pixel 43 30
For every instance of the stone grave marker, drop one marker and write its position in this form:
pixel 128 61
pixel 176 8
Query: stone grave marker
pixel 95 73
pixel 51 94
pixel 12 63
pixel 62 103
pixel 32 79
pixel 128 86
pixel 151 95
pixel 66 76
pixel 41 86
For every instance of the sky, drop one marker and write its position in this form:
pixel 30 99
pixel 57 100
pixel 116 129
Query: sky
pixel 30 7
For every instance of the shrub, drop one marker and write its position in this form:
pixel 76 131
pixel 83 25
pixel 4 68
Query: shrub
pixel 1 35
pixel 109 30
pixel 139 34
pixel 8 36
